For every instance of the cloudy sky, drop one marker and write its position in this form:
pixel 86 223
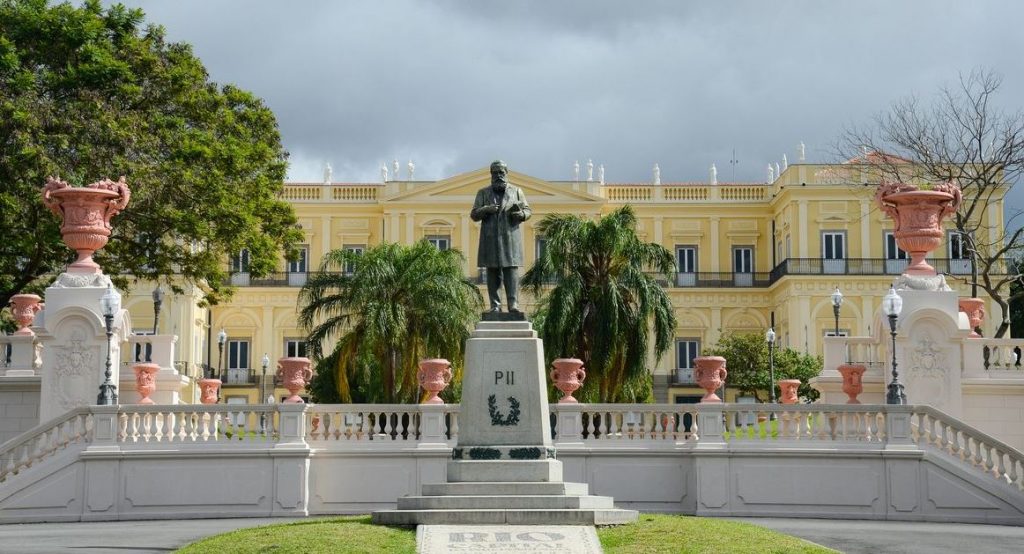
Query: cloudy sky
pixel 452 85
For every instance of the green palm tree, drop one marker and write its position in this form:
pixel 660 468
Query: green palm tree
pixel 384 310
pixel 604 303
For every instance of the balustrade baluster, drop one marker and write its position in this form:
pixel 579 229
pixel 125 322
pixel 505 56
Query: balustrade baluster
pixel 453 430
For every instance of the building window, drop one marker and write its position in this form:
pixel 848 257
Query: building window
pixel 959 253
pixel 686 350
pixel 298 265
pixel 240 261
pixel 295 348
pixel 743 266
pixel 686 265
pixel 895 258
pixel 540 246
pixel 238 362
pixel 357 250
pixel 833 252
pixel 441 242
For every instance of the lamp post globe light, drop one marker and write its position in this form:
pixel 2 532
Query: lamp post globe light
pixel 837 301
pixel 892 305
pixel 110 305
pixel 158 299
pixel 222 337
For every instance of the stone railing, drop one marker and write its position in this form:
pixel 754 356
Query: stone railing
pixel 994 354
pixel 985 454
pixel 333 193
pixel 696 192
pixel 198 423
pixel 341 423
pixel 45 441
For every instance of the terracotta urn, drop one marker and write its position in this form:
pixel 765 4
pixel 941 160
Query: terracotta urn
pixel 568 376
pixel 975 310
pixel 145 381
pixel 294 373
pixel 852 384
pixel 86 213
pixel 24 308
pixel 208 389
pixel 434 376
pixel 789 387
pixel 711 375
pixel 918 213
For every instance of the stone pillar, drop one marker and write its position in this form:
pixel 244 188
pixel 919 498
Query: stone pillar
pixel 24 355
pixel 74 343
pixel 929 342
pixel 169 381
pixel 291 463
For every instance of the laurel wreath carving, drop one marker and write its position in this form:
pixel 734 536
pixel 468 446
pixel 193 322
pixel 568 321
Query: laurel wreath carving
pixel 496 416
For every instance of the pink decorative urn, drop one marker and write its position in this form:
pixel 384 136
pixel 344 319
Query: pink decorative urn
pixel 852 384
pixel 145 381
pixel 568 376
pixel 711 375
pixel 208 389
pixel 24 307
pixel 434 376
pixel 789 387
pixel 86 213
pixel 975 310
pixel 294 373
pixel 918 213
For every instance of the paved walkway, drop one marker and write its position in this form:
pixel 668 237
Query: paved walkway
pixel 851 537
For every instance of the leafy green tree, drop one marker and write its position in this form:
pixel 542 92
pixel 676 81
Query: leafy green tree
pixel 87 93
pixel 746 359
pixel 604 305
pixel 383 311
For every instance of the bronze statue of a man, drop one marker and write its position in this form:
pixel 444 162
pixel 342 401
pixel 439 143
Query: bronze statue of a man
pixel 501 208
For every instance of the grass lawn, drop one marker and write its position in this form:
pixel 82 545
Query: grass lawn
pixel 655 533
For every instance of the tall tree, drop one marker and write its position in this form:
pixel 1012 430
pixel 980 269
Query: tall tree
pixel 87 93
pixel 383 311
pixel 604 305
pixel 746 358
pixel 966 137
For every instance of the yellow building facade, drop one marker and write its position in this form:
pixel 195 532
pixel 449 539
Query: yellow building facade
pixel 749 255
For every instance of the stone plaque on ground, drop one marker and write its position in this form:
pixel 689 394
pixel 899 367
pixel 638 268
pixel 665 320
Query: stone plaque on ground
pixel 560 539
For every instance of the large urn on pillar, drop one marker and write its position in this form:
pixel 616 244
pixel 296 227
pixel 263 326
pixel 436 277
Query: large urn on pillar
pixel 24 308
pixel 145 381
pixel 208 390
pixel 852 380
pixel 975 310
pixel 568 376
pixel 918 212
pixel 86 213
pixel 711 375
pixel 434 376
pixel 789 388
pixel 294 373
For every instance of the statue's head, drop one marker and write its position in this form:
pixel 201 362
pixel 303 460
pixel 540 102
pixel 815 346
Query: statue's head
pixel 499 175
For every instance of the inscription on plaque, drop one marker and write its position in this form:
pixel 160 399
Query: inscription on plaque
pixel 507 538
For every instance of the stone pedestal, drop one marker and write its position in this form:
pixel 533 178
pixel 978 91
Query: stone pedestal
pixel 24 355
pixel 74 340
pixel 503 469
pixel 169 381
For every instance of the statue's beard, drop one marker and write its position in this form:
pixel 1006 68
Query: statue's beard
pixel 499 186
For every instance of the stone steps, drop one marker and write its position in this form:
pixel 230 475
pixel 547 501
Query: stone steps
pixel 508 502
pixel 536 471
pixel 511 517
pixel 507 488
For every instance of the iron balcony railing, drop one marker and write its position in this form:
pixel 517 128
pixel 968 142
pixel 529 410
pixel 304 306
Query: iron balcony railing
pixel 699 279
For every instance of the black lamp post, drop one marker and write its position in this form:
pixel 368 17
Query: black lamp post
pixel 222 337
pixel 837 301
pixel 263 391
pixel 892 305
pixel 110 303
pixel 158 299
pixel 769 337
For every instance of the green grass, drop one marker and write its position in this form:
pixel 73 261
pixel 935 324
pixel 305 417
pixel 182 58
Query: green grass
pixel 654 533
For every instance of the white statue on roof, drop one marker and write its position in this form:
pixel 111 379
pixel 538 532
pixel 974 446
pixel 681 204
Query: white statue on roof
pixel 394 167
pixel 384 173
pixel 600 174
pixel 657 174
pixel 778 172
pixel 800 152
pixel 412 169
pixel 576 170
pixel 785 163
pixel 714 174
pixel 590 169
pixel 771 173
pixel 328 172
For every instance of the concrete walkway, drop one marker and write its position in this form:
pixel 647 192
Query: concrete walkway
pixel 851 537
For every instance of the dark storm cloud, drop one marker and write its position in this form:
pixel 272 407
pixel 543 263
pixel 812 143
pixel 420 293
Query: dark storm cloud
pixel 452 84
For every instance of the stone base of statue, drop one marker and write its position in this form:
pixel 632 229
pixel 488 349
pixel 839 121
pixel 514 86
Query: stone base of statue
pixel 503 469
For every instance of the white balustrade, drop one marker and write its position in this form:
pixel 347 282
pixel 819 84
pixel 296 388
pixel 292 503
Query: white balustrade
pixel 625 423
pixel 45 441
pixel 372 422
pixel 197 423
pixel 804 422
